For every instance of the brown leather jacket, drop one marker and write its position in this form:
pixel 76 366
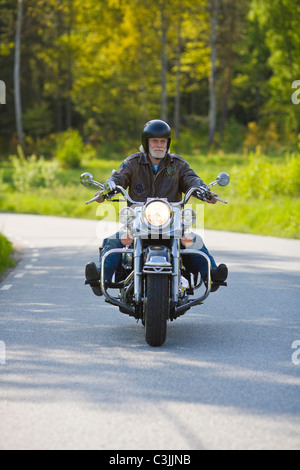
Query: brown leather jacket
pixel 173 178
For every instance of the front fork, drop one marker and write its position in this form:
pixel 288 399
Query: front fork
pixel 137 266
pixel 175 251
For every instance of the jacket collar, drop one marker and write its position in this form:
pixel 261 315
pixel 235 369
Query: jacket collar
pixel 144 159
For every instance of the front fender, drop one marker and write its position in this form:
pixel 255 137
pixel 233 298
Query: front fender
pixel 158 260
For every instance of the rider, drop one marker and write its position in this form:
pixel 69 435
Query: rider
pixel 155 172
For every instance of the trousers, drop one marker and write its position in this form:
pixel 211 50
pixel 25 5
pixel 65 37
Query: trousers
pixel 190 262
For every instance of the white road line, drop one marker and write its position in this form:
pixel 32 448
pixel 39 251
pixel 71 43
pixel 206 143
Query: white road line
pixel 6 287
pixel 17 276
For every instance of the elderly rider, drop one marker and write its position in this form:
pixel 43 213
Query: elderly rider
pixel 155 172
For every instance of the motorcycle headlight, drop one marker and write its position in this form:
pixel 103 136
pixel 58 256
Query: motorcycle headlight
pixel 157 213
pixel 126 215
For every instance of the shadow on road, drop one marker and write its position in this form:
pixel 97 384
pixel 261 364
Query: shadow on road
pixel 235 351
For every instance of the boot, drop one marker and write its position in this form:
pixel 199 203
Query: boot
pixel 92 275
pixel 218 276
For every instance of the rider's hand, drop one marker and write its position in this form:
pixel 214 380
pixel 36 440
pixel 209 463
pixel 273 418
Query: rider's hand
pixel 101 198
pixel 212 200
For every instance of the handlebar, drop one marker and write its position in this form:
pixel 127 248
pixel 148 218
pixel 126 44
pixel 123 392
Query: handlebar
pixel 203 193
pixel 110 189
pixel 106 194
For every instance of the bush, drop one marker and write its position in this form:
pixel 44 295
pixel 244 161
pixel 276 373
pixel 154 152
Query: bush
pixel 70 149
pixel 32 172
pixel 5 252
pixel 265 179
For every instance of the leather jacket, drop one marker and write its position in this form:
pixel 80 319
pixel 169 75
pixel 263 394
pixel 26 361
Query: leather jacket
pixel 174 177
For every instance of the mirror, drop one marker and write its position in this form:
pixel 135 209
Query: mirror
pixel 223 179
pixel 86 179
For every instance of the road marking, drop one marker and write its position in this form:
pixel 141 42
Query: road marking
pixel 6 287
pixel 28 266
pixel 17 276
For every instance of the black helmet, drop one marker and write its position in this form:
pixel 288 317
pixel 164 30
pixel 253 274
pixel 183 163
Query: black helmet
pixel 156 128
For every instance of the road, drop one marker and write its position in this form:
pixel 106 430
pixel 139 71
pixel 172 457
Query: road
pixel 77 374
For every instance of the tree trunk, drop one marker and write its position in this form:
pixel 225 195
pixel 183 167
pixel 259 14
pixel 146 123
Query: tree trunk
pixel 143 90
pixel 17 75
pixel 227 74
pixel 69 66
pixel 163 66
pixel 178 72
pixel 2 92
pixel 214 13
pixel 59 99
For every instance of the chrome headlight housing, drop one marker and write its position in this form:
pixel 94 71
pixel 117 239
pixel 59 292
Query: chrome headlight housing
pixel 157 213
pixel 188 216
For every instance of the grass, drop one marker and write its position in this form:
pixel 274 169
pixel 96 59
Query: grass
pixel 263 193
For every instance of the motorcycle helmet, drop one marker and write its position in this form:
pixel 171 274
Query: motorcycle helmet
pixel 156 128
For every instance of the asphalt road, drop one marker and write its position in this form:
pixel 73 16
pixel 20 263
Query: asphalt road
pixel 77 374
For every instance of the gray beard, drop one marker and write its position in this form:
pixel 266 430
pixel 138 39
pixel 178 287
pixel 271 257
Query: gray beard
pixel 157 155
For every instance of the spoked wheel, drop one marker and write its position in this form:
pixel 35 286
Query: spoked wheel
pixel 157 309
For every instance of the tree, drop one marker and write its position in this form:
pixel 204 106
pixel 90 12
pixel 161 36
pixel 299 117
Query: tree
pixel 106 67
pixel 214 7
pixel 232 50
pixel 279 21
pixel 17 74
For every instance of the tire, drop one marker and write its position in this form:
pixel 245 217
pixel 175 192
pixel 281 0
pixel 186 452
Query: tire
pixel 157 309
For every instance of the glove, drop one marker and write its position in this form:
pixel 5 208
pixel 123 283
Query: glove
pixel 200 194
pixel 109 187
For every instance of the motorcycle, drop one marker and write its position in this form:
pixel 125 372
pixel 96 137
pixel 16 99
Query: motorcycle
pixel 153 284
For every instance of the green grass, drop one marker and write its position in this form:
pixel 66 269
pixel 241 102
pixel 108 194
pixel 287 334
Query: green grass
pixel 263 194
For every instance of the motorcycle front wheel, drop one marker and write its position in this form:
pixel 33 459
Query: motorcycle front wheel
pixel 157 309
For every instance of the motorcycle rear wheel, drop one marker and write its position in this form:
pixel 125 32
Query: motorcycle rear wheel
pixel 157 309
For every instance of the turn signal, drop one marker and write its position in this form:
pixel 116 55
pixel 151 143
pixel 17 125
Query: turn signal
pixel 187 240
pixel 126 238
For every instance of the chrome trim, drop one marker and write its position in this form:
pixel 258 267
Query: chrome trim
pixel 157 269
pixel 193 216
pixel 199 300
pixel 109 298
pixel 127 214
pixel 175 251
pixel 137 265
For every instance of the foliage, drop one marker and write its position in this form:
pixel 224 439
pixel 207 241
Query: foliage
pixel 263 193
pixel 5 254
pixel 104 68
pixel 32 172
pixel 278 21
pixel 69 149
pixel 266 180
pixel 37 120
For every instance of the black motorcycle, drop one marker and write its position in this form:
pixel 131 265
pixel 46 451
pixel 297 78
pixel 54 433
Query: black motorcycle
pixel 152 282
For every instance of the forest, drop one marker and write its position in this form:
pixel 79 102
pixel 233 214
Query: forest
pixel 79 79
pixel 226 72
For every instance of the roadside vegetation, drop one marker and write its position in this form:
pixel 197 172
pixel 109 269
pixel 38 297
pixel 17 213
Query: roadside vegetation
pixel 263 193
pixel 6 250
pixel 225 75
